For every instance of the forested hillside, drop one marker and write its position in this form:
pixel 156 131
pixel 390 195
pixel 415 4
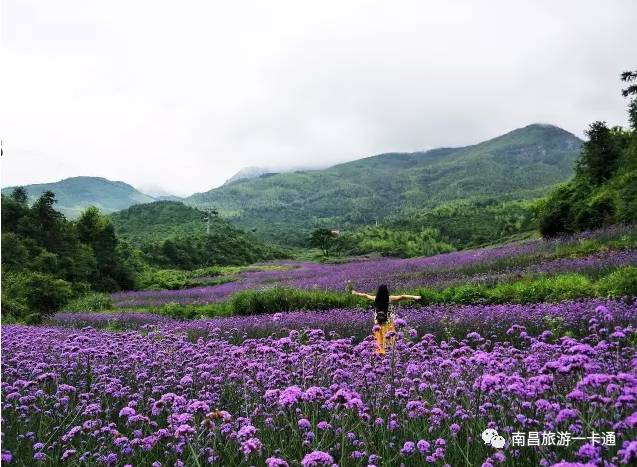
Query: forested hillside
pixel 75 194
pixel 519 165
pixel 174 235
pixel 48 260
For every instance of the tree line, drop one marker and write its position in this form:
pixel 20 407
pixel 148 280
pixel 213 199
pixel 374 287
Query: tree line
pixel 604 189
pixel 47 259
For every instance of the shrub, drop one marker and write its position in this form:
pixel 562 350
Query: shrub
pixel 276 299
pixel 90 302
pixel 13 310
pixel 619 283
pixel 469 294
pixel 553 288
pixel 159 279
pixel 33 318
pixel 556 288
pixel 39 293
pixel 178 311
pixel 429 296
pixel 209 271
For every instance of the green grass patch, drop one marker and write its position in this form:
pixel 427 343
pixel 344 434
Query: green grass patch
pixel 90 302
pixel 276 299
pixel 620 283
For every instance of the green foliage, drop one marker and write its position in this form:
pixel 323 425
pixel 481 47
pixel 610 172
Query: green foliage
pixel 98 233
pixel 77 193
pixel 604 190
pixel 179 311
pixel 90 302
pixel 399 243
pixel 471 223
pixel 276 299
pixel 529 290
pixel 619 283
pixel 173 236
pixel 47 260
pixel 12 309
pixel 324 239
pixel 285 208
pixel 158 279
pixel 147 223
pixel 34 291
pixel 600 153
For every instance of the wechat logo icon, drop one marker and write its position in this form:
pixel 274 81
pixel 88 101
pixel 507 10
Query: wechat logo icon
pixel 491 436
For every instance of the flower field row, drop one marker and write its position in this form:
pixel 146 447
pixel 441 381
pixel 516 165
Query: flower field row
pixel 161 395
pixel 398 274
pixel 492 321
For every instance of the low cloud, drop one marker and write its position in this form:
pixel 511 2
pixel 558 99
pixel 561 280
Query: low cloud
pixel 182 95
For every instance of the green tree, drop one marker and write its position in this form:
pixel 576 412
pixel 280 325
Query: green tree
pixel 324 239
pixel 96 231
pixel 600 154
pixel 19 195
pixel 630 77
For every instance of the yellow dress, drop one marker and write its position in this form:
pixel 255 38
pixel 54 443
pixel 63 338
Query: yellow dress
pixel 380 335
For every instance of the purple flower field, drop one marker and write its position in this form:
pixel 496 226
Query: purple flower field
pixel 442 321
pixel 434 271
pixel 289 390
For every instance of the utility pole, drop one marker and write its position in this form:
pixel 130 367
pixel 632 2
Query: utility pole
pixel 209 213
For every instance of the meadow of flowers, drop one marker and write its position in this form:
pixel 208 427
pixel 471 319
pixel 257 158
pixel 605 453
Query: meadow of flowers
pixel 306 388
pixel 488 265
pixel 289 390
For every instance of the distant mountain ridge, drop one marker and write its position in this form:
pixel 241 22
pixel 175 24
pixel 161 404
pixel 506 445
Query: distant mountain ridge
pixel 254 172
pixel 521 164
pixel 283 207
pixel 75 194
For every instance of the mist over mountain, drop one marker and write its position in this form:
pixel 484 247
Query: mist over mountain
pixel 283 207
pixel 254 172
pixel 521 164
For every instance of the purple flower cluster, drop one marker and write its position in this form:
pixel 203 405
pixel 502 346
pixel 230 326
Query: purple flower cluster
pixel 163 395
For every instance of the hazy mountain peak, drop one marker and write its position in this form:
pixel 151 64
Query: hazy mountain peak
pixel 74 194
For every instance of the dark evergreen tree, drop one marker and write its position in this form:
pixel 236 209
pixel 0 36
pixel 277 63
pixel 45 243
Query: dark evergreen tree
pixel 600 154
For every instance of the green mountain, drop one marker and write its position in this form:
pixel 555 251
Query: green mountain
pixel 144 223
pixel 174 235
pixel 74 194
pixel 519 165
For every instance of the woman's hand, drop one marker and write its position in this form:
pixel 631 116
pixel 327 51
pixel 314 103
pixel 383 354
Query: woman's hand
pixel 364 295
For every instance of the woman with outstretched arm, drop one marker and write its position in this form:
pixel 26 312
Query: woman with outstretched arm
pixel 384 318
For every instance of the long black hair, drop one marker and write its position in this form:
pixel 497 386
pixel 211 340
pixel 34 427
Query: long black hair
pixel 381 303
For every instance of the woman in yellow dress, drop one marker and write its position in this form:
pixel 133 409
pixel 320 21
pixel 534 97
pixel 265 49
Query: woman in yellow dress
pixel 384 318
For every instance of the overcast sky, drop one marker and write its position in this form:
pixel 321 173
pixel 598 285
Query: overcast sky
pixel 182 94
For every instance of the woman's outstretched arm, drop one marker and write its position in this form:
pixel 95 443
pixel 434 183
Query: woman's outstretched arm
pixel 397 298
pixel 364 295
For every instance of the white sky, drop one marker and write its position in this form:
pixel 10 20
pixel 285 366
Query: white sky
pixel 182 94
